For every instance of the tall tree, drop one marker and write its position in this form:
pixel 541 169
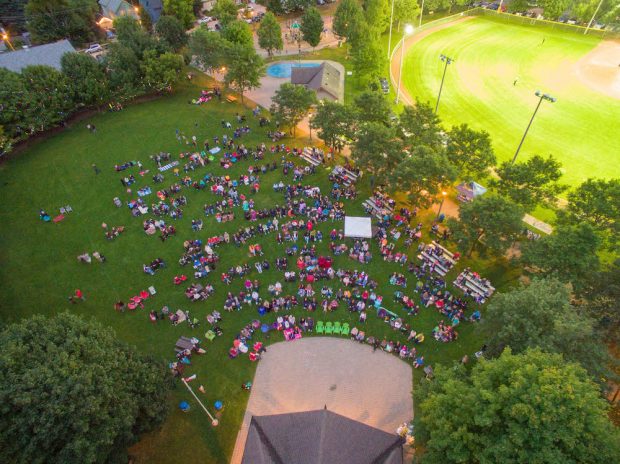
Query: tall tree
pixel 238 32
pixel 518 6
pixel 334 122
pixel 553 9
pixel 291 103
pixel 208 48
pixel 270 34
pixel 50 20
pixel 368 60
pixel 422 175
pixel 602 300
pixel 182 9
pixel 130 34
pixel 377 13
pixel 489 220
pixel 470 151
pixel 419 125
pixel 569 253
pixel 372 107
pixel 540 315
pixel 87 79
pixel 245 68
pixel 405 11
pixel 529 407
pixel 161 71
pixel 18 106
pixel 596 202
pixel 123 67
pixel 225 11
pixel 530 183
pixel 171 30
pixel 378 150
pixel 312 26
pixel 76 394
pixel 50 89
pixel 348 15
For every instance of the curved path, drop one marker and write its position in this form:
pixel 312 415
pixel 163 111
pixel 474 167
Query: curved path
pixel 395 58
pixel 346 376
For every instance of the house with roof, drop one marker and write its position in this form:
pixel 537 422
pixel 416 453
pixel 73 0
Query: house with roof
pixel 318 437
pixel 326 80
pixel 48 54
pixel 114 8
pixel 155 8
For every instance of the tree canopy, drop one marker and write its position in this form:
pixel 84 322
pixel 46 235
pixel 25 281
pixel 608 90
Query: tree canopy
pixel 182 9
pixel 518 408
pixel 378 150
pixel 225 11
pixel 489 223
pixel 238 32
pixel 348 16
pixel 291 104
pixel 171 30
pixel 161 71
pixel 377 14
pixel 372 107
pixel 270 34
pixel 470 151
pixel 419 125
pixel 244 68
pixel 70 391
pixel 334 122
pixel 87 79
pixel 51 20
pixel 208 48
pixel 312 26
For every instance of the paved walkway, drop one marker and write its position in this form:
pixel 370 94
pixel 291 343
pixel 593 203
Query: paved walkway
pixel 308 374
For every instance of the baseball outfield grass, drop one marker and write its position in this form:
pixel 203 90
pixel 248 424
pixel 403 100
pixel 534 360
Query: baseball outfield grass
pixel 498 66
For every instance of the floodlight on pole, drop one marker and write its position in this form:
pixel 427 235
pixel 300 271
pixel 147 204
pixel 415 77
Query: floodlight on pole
pixel 421 12
pixel 407 31
pixel 447 60
pixel 541 96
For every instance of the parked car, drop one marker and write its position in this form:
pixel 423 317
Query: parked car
pixel 205 20
pixel 385 85
pixel 94 48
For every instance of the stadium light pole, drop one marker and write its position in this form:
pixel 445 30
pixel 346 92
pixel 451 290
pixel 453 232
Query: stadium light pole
pixel 448 61
pixel 390 36
pixel 408 31
pixel 541 96
pixel 421 12
pixel 593 16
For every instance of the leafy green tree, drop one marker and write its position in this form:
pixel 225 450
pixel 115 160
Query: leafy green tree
pixel 378 150
pixel 208 48
pixel 275 6
pixel 518 6
pixel 597 202
pixel 422 175
pixel 349 15
pixel 334 122
pixel 295 5
pixel 470 151
pixel 245 68
pixel 13 17
pixel 518 408
pixel 5 142
pixel 197 7
pixel 291 104
pixel 490 220
pixel 50 89
pixel 602 300
pixel 72 392
pixel 569 253
pixel 368 60
pixel 161 71
pixel 18 107
pixel 51 20
pixel 238 32
pixel 453 3
pixel 130 34
pixel 553 9
pixel 87 79
pixel 540 316
pixel 270 34
pixel 312 26
pixel 377 14
pixel 225 11
pixel 182 9
pixel 436 5
pixel 170 30
pixel 405 11
pixel 531 183
pixel 419 125
pixel 124 70
pixel 372 107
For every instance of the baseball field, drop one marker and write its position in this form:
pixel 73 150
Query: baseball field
pixel 492 82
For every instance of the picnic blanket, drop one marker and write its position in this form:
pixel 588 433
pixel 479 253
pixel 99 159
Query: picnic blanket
pixel 144 191
pixel 168 166
pixel 215 150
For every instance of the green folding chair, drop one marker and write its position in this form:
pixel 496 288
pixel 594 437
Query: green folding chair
pixel 320 328
pixel 336 328
pixel 329 328
pixel 345 329
pixel 210 335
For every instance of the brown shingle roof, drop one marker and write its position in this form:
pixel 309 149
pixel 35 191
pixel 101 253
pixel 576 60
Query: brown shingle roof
pixel 325 77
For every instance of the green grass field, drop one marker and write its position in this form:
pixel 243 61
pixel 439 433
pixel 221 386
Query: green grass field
pixel 580 129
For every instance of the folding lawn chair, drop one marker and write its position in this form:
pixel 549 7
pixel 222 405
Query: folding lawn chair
pixel 210 335
pixel 320 328
pixel 336 328
pixel 345 329
pixel 329 328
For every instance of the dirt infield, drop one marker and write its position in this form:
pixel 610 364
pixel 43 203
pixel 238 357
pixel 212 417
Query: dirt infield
pixel 599 70
pixel 347 377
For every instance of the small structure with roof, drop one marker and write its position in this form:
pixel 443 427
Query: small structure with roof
pixel 115 8
pixel 318 437
pixel 326 80
pixel 48 55
pixel 357 227
pixel 469 190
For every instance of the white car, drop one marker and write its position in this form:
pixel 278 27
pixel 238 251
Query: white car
pixel 205 20
pixel 94 48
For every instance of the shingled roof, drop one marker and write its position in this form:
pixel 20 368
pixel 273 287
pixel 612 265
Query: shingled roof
pixel 324 78
pixel 48 54
pixel 318 437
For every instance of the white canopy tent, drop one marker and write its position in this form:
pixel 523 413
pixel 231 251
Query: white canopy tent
pixel 357 227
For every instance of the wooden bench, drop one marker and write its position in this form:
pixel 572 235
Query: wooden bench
pixel 447 254
pixel 231 99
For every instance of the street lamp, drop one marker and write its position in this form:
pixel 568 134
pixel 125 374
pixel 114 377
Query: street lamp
pixel 5 37
pixel 448 61
pixel 443 198
pixel 390 36
pixel 541 96
pixel 408 31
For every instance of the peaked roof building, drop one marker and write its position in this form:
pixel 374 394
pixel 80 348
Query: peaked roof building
pixel 48 54
pixel 318 437
pixel 325 80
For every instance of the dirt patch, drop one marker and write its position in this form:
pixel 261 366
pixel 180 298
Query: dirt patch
pixel 599 70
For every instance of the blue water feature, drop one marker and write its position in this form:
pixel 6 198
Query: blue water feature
pixel 283 70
